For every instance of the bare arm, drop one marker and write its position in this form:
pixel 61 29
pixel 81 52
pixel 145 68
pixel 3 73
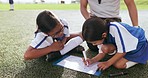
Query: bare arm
pixel 95 59
pixel 83 8
pixel 115 58
pixel 111 61
pixel 33 53
pixel 98 57
pixel 132 11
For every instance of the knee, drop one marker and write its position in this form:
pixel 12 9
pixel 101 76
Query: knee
pixel 105 48
pixel 119 66
pixel 109 48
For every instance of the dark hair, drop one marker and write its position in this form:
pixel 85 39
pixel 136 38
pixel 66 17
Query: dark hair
pixel 93 28
pixel 46 21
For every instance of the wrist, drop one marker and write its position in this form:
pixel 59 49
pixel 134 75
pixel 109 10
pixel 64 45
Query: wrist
pixel 92 60
pixel 109 63
pixel 49 49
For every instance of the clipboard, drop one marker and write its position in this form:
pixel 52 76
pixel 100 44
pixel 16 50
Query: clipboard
pixel 75 63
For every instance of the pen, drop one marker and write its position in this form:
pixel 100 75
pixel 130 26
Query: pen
pixel 84 54
pixel 117 74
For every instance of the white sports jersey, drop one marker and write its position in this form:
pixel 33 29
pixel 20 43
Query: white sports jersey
pixel 125 37
pixel 129 39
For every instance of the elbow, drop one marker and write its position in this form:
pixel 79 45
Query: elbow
pixel 27 56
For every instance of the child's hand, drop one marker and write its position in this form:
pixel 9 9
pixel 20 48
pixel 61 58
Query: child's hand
pixel 103 65
pixel 89 61
pixel 55 46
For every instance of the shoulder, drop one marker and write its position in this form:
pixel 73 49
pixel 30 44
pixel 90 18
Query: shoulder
pixel 64 22
pixel 118 25
pixel 40 35
pixel 41 40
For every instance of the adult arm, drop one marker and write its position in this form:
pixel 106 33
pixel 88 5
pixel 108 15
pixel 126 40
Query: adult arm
pixel 132 11
pixel 83 8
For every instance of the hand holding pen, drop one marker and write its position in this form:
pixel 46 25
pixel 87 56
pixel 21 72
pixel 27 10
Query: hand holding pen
pixel 85 57
pixel 86 60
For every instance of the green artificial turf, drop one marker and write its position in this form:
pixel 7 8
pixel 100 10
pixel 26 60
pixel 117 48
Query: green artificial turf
pixel 16 32
pixel 19 6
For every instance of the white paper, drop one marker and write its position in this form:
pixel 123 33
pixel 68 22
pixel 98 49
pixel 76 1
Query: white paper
pixel 76 63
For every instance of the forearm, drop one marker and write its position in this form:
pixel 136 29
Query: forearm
pixel 32 53
pixel 98 57
pixel 133 15
pixel 115 58
pixel 83 8
pixel 85 13
pixel 132 11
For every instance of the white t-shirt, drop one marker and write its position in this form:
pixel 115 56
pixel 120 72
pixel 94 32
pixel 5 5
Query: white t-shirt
pixel 105 9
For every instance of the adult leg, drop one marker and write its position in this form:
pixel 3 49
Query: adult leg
pixel 11 5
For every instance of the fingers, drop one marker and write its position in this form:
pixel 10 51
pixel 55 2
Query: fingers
pixel 60 44
pixel 57 46
pixel 86 61
pixel 102 66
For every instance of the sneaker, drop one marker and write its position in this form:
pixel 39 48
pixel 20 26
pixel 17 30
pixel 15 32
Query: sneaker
pixel 11 9
pixel 52 56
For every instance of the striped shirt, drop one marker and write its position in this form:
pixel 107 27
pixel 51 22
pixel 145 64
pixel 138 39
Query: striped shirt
pixel 125 37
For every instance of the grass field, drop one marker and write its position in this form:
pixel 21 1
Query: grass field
pixel 16 32
pixel 58 6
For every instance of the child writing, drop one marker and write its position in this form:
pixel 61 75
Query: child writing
pixel 128 43
pixel 52 38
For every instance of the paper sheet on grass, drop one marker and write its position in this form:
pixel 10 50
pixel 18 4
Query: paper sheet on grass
pixel 76 63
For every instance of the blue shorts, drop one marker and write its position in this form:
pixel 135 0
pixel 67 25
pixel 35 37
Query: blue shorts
pixel 140 55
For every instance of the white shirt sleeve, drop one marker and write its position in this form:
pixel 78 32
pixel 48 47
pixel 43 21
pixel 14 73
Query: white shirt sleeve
pixel 66 32
pixel 99 47
pixel 66 28
pixel 124 40
pixel 40 41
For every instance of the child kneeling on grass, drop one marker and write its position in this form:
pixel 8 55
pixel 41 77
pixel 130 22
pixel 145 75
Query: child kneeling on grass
pixel 128 43
pixel 52 38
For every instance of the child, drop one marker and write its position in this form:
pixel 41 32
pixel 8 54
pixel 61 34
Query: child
pixel 127 42
pixel 51 37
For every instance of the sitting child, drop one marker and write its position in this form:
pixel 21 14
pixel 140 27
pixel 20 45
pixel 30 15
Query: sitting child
pixel 128 43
